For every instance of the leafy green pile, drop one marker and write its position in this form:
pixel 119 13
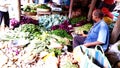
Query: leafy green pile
pixel 29 28
pixel 56 51
pixel 29 8
pixel 61 33
pixel 51 20
pixel 77 19
pixel 37 46
pixel 83 28
pixel 43 6
pixel 33 30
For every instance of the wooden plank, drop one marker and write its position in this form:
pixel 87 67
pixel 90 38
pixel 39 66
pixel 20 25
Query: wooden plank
pixel 15 9
pixel 116 31
pixel 43 13
pixel 70 9
pixel 92 6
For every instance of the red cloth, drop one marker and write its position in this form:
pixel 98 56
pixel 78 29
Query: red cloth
pixel 110 2
pixel 107 12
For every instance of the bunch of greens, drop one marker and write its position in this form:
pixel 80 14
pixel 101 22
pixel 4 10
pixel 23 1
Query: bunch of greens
pixel 84 28
pixel 29 8
pixel 63 26
pixel 76 20
pixel 51 20
pixel 56 51
pixel 61 33
pixel 23 20
pixel 43 6
pixel 33 30
pixel 28 20
pixel 38 46
pixel 29 28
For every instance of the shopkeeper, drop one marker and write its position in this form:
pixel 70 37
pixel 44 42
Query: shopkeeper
pixel 4 12
pixel 110 4
pixel 98 35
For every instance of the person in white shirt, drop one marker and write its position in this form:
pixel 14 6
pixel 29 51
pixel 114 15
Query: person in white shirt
pixel 4 12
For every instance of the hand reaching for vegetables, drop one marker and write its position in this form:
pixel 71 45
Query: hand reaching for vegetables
pixel 82 34
pixel 5 5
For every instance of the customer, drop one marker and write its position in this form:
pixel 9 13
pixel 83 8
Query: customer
pixel 4 12
pixel 98 35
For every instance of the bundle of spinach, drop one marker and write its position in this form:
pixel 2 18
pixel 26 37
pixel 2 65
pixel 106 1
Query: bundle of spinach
pixel 77 19
pixel 29 28
pixel 85 28
pixel 61 33
pixel 43 6
pixel 56 51
pixel 29 8
pixel 33 30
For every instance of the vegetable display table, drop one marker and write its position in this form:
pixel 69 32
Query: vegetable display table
pixel 43 13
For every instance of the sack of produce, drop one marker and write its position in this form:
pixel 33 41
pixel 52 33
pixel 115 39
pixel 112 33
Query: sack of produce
pixel 98 55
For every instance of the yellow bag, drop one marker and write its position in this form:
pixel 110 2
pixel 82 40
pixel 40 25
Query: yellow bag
pixel 108 20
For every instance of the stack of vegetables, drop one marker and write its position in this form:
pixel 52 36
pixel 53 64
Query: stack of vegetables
pixel 23 20
pixel 51 20
pixel 37 46
pixel 30 9
pixel 43 7
pixel 68 25
pixel 78 21
pixel 30 46
pixel 65 26
pixel 83 29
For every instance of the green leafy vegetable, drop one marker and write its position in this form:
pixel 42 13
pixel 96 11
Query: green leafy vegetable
pixel 56 51
pixel 29 8
pixel 43 6
pixel 61 33
pixel 51 20
pixel 34 30
pixel 76 20
pixel 69 64
pixel 84 28
pixel 29 28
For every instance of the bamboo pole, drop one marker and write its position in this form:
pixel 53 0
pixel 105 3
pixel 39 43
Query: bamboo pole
pixel 70 9
pixel 116 31
pixel 93 2
pixel 17 3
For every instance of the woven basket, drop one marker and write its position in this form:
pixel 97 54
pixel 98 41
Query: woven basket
pixel 30 13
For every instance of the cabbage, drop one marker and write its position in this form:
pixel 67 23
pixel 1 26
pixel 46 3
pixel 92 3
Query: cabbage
pixel 51 20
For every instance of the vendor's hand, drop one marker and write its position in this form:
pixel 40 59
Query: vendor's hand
pixel 5 5
pixel 89 44
pixel 84 35
pixel 86 44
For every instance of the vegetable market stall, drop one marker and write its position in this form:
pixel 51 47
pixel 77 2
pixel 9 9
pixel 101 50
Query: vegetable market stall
pixel 40 44
pixel 32 44
pixel 29 46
